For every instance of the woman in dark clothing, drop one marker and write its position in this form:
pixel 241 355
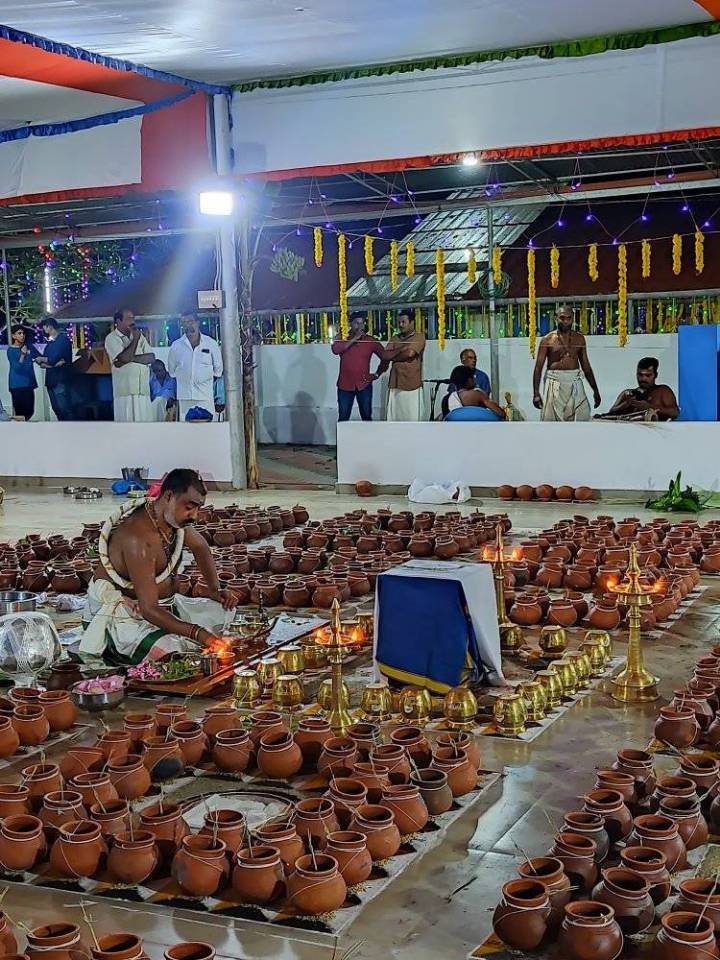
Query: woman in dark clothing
pixel 22 373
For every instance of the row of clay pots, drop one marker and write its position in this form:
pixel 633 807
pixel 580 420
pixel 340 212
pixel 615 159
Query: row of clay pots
pixel 545 492
pixel 234 525
pixel 29 716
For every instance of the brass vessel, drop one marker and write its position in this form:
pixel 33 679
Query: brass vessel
pixel 510 714
pixel 314 655
pixel 460 708
pixel 324 695
pixel 553 687
pixel 247 689
pixel 366 623
pixel 415 704
pixel 268 670
pixel 596 653
pixel 553 642
pixel 287 691
pixel 292 658
pixel 583 667
pixel 511 638
pixel 377 702
pixel 535 699
pixel 605 639
pixel 565 669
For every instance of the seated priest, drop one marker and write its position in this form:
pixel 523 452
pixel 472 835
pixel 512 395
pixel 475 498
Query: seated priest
pixel 650 400
pixel 466 401
pixel 133 611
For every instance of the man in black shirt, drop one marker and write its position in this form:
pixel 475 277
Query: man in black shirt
pixel 57 362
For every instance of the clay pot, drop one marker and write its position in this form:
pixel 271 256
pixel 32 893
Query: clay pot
pixel 266 721
pixel 59 709
pixel 201 867
pixel 577 852
pixel 346 795
pixel 232 751
pixel 140 726
pixel 604 615
pixel 610 805
pixel 592 826
pixel 41 778
pixel 166 714
pixel 133 857
pixel 446 548
pixel 78 850
pixel 113 817
pixel 163 757
pixel 258 876
pixel 672 787
pixel 415 744
pixel 589 931
pixel 628 893
pixel 14 800
pixel 93 788
pixel 524 492
pixel 691 823
pixel 562 613
pixel 167 825
pixel 550 575
pixel 324 595
pixel 623 783
pixel 521 919
pixel 408 807
pixel 279 757
pixel 31 725
pixel 374 780
pixel 22 843
pixel 312 733
pixel 130 777
pixel 660 833
pixel 639 763
pixel 317 885
pixel 283 836
pixel 192 740
pixel 460 739
pixel 8 943
pixel 190 951
pixel 679 728
pixel 685 936
pixel 392 758
pixel 652 865
pixel 56 941
pixel 365 736
pixel 526 611
pixel 462 776
pixel 700 895
pixel 119 946
pixel 338 755
pixel 9 739
pixel 377 822
pixel 550 872
pixel 61 807
pixel 115 745
pixel 315 818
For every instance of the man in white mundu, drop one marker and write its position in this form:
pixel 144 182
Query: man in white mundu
pixel 195 361
pixel 565 352
pixel 405 389
pixel 130 356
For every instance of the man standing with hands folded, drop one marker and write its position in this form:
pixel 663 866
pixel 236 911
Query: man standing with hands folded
pixel 131 358
pixel 355 380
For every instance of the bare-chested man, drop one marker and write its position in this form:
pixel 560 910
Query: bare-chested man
pixel 132 604
pixel 565 352
pixel 653 398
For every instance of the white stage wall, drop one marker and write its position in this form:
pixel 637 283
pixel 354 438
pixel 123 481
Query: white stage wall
pixel 484 106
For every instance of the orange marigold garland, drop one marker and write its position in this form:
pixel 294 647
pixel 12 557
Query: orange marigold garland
pixel 497 265
pixel 593 262
pixel 369 256
pixel 532 302
pixel 622 295
pixel 699 252
pixel 440 290
pixel 342 283
pixel 676 253
pixel 318 241
pixel 394 266
pixel 554 267
pixel 646 255
pixel 410 259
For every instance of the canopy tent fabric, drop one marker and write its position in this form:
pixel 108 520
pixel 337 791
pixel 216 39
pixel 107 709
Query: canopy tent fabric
pixel 621 96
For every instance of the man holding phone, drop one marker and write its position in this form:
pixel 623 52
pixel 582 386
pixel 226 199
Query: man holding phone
pixel 131 358
pixel 194 361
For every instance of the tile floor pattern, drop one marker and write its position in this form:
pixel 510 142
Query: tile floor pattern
pixel 443 907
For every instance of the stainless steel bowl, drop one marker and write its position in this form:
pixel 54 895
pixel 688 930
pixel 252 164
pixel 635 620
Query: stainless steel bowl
pixel 97 702
pixel 17 601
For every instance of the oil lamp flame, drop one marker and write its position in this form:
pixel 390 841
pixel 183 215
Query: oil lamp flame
pixel 219 647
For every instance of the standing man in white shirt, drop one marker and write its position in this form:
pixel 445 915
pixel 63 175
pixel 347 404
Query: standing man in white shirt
pixel 195 361
pixel 131 357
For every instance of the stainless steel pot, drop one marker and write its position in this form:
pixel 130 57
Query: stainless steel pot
pixel 17 601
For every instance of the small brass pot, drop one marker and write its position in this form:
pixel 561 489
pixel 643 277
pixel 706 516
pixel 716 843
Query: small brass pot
pixel 596 653
pixel 287 691
pixel 415 704
pixel 460 708
pixel 553 642
pixel 605 639
pixel 324 694
pixel 292 658
pixel 583 667
pixel 565 669
pixel 553 687
pixel 268 670
pixel 535 698
pixel 511 639
pixel 510 714
pixel 314 655
pixel 247 689
pixel 377 702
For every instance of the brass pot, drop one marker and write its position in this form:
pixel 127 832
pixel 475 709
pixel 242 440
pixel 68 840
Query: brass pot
pixel 460 708
pixel 535 698
pixel 553 687
pixel 415 704
pixel 553 642
pixel 247 689
pixel 583 667
pixel 565 669
pixel 377 702
pixel 605 639
pixel 324 694
pixel 268 670
pixel 287 691
pixel 511 639
pixel 291 657
pixel 314 655
pixel 510 714
pixel 596 654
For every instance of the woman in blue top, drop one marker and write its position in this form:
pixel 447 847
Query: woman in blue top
pixel 22 374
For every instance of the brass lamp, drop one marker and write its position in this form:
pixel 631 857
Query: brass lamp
pixel 338 716
pixel 511 637
pixel 634 684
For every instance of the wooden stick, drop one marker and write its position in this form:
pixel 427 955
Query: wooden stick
pixel 88 921
pixel 707 902
pixel 525 855
pixel 312 850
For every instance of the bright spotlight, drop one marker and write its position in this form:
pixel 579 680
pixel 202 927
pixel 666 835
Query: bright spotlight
pixel 216 203
pixel 470 160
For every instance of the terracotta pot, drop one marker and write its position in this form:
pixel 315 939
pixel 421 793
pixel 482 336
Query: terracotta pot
pixel 228 826
pixel 346 795
pixel 192 739
pixel 258 876
pixel 349 849
pixel 190 951
pixel 233 751
pixel 415 744
pixel 589 931
pixel 550 575
pixel 279 757
pixel 8 943
pixel 316 886
pixel 591 825
pixel 678 728
pixel 408 807
pixel 296 594
pixel 167 825
pixel 374 780
pixel 525 492
pixel 130 777
pixel 201 867
pixel 525 611
pixel 576 852
pixel 550 872
pixel 623 783
pixel 78 760
pixel 652 865
pixel 140 726
pixel 22 843
pixel 283 836
pixel 41 778
pixel 56 941
pixel 119 946
pixel 338 755
pixel 700 895
pixel 639 763
pixel 78 850
pixel 610 805
pixel 628 893
pixel 660 833
pixel 377 822
pixel 166 714
pixel 163 757
pixel 60 807
pixel 9 739
pixel 112 817
pixel 460 739
pixel 31 725
pixel 266 721
pixel 59 709
pixel 446 548
pixel 115 745
pixel 365 736
pixel 133 857
pixel 453 761
pixel 521 919
pixel 672 787
pixel 562 613
pixel 14 800
pixel 93 788
pixel 604 615
pixel 315 818
pixel 312 733
pixel 392 758
pixel 684 699
pixel 685 811
pixel 685 936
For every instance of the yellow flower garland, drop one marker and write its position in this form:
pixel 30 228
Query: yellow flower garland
pixel 440 281
pixel 646 254
pixel 699 252
pixel 324 327
pixel 410 259
pixel 532 302
pixel 394 265
pixel 472 268
pixel 676 253
pixel 584 321
pixel 593 262
pixel 318 240
pixel 369 256
pixel 497 265
pixel 418 319
pixel 622 295
pixel 342 282
pixel 554 267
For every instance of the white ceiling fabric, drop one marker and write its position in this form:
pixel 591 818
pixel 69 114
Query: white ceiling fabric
pixel 245 39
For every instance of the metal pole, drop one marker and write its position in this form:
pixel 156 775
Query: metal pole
pixel 232 354
pixel 6 297
pixel 494 345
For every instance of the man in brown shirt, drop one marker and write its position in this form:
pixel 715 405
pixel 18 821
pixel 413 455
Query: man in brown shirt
pixel 405 353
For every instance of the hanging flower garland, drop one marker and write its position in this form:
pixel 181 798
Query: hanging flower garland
pixel 646 255
pixel 532 303
pixel 497 265
pixel 394 266
pixel 418 318
pixel 342 282
pixel 584 318
pixel 593 262
pixel 699 252
pixel 472 268
pixel 369 256
pixel 318 241
pixel 324 326
pixel 410 259
pixel 622 295
pixel 676 253
pixel 440 290
pixel 554 267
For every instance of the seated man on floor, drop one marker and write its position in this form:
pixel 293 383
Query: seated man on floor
pixel 649 401
pixel 133 611
pixel 467 402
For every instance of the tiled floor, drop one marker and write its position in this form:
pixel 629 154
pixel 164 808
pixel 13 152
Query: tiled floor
pixel 442 907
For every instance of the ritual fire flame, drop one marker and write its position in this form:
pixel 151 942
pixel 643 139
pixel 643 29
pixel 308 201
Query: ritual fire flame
pixel 354 637
pixel 220 647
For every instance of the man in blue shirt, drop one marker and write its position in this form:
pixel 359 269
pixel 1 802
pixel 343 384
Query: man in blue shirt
pixel 57 362
pixel 163 387
pixel 468 358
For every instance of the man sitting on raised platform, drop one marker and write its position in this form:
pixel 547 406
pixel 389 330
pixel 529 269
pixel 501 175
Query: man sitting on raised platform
pixel 133 611
pixel 649 401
